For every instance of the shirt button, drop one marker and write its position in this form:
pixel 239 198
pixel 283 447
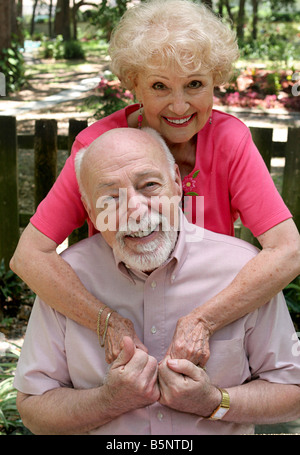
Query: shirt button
pixel 160 415
pixel 153 330
pixel 153 284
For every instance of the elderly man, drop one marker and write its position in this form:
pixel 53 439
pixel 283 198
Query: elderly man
pixel 144 268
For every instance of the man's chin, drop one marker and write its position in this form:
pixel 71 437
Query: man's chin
pixel 147 256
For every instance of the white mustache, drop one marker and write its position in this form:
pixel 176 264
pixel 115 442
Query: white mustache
pixel 145 226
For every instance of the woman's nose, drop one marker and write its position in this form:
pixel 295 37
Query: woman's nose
pixel 179 104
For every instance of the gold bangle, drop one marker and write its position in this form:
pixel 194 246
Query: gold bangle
pixel 105 329
pixel 98 322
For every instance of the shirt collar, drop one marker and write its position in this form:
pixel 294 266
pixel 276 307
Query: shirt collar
pixel 176 259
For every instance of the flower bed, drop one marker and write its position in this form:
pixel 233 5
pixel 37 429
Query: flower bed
pixel 255 88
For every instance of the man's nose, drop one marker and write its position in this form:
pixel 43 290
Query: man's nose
pixel 179 103
pixel 137 206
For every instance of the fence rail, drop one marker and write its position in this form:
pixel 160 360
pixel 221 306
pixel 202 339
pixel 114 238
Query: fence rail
pixel 46 142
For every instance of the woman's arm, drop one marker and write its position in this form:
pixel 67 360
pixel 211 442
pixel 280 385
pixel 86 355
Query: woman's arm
pixel 48 275
pixel 276 265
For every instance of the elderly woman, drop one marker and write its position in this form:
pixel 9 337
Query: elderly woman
pixel 172 54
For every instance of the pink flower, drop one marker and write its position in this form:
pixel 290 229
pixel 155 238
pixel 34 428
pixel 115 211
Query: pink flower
pixel 188 184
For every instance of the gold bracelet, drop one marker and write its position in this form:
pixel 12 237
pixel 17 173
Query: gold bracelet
pixel 105 329
pixel 98 322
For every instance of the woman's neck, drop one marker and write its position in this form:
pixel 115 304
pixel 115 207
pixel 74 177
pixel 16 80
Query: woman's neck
pixel 185 155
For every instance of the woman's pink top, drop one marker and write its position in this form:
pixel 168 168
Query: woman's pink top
pixel 229 172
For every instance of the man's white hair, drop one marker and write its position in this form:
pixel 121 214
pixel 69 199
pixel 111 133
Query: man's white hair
pixel 153 133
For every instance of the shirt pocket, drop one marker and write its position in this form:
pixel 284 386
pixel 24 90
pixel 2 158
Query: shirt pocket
pixel 228 364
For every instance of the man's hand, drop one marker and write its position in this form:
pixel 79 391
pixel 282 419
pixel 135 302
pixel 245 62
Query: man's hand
pixel 132 379
pixel 190 340
pixel 187 388
pixel 118 328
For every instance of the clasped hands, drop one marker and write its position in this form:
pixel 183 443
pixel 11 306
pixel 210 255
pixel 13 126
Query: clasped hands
pixel 136 380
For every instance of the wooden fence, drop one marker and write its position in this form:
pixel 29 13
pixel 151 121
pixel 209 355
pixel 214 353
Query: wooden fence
pixel 46 142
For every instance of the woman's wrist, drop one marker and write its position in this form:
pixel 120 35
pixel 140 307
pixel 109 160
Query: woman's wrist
pixel 103 321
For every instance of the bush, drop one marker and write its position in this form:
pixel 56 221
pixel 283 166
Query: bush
pixel 109 97
pixel 73 50
pixel 13 67
pixel 10 421
pixel 60 49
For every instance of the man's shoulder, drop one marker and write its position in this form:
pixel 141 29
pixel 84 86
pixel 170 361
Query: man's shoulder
pixel 228 246
pixel 87 252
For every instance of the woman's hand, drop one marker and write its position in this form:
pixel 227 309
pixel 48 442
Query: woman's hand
pixel 190 340
pixel 118 327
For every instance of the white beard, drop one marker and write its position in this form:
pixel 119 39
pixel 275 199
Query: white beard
pixel 150 255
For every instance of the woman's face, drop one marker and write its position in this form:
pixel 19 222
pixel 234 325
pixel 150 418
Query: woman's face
pixel 176 107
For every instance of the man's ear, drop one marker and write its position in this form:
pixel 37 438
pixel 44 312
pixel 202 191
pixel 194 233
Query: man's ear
pixel 178 181
pixel 88 210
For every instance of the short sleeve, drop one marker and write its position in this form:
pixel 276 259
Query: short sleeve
pixel 271 344
pixel 252 191
pixel 36 373
pixel 62 210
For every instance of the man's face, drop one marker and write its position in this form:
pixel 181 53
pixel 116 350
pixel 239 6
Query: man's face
pixel 134 198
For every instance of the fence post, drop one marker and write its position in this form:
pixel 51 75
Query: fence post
pixel 263 139
pixel 9 211
pixel 291 178
pixel 45 157
pixel 75 126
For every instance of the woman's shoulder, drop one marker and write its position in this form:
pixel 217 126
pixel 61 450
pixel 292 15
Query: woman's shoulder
pixel 225 122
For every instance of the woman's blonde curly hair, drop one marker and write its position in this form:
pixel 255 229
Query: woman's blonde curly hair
pixel 179 34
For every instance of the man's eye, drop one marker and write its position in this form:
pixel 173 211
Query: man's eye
pixel 158 86
pixel 195 84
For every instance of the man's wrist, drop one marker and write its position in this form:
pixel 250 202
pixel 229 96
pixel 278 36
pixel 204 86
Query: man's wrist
pixel 222 408
pixel 215 398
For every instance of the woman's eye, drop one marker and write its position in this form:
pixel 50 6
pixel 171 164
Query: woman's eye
pixel 158 86
pixel 195 84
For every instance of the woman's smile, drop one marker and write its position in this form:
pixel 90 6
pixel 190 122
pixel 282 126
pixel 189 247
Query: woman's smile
pixel 179 122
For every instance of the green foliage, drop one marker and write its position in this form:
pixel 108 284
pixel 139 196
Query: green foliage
pixel 73 50
pixel 292 297
pixel 13 67
pixel 10 420
pixel 60 49
pixel 11 291
pixel 109 97
pixel 52 48
pixel 107 17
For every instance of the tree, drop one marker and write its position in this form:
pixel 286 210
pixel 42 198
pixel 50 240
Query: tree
pixel 75 9
pixel 62 19
pixel 6 21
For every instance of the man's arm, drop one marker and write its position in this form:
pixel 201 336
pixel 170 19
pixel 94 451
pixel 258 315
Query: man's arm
pixel 38 264
pixel 131 384
pixel 187 388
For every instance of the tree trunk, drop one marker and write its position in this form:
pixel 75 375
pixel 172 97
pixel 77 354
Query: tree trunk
pixel 50 19
pixel 254 18
pixel 62 19
pixel 5 24
pixel 33 17
pixel 241 20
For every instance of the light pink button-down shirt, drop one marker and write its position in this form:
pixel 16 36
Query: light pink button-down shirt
pixel 58 352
